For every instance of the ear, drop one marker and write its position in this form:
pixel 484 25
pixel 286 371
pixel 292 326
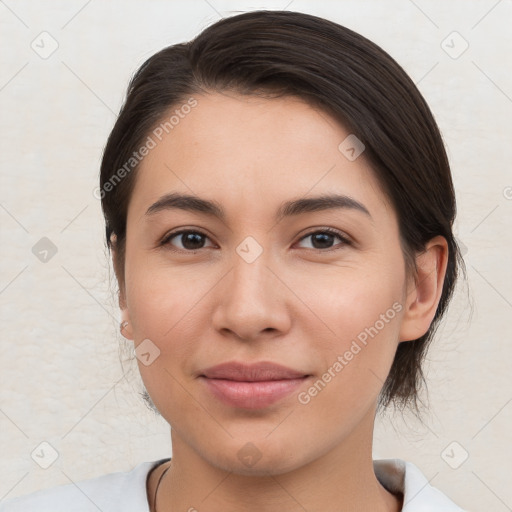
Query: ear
pixel 423 295
pixel 127 331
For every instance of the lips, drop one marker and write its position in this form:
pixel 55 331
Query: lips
pixel 263 371
pixel 254 386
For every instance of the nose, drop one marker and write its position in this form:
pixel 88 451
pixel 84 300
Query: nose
pixel 252 302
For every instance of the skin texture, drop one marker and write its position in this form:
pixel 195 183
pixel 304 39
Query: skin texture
pixel 296 305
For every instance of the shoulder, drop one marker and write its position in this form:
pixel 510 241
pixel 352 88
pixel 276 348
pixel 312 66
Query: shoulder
pixel 121 491
pixel 398 475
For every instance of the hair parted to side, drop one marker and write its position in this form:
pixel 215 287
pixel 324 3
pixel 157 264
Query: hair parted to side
pixel 283 53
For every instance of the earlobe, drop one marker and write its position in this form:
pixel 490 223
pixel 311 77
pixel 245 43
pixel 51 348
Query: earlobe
pixel 422 299
pixel 125 325
pixel 125 328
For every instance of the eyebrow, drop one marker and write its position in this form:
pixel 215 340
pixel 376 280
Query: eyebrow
pixel 192 203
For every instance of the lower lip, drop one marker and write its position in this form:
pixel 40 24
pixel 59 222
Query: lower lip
pixel 251 395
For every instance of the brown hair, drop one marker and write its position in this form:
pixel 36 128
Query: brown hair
pixel 291 53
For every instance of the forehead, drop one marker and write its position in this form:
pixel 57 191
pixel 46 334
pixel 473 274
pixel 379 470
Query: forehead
pixel 240 148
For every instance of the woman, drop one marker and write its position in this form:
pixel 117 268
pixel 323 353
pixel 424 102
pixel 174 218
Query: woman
pixel 279 206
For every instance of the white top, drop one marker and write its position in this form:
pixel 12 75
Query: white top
pixel 126 491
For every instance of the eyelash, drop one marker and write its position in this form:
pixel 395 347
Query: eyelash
pixel 331 231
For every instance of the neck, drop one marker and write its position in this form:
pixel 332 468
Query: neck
pixel 342 479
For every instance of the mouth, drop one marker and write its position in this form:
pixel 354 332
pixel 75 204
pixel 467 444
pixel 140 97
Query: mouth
pixel 254 386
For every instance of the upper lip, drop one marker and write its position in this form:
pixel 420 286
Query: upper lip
pixel 262 371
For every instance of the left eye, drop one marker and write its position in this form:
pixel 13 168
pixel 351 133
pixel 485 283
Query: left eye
pixel 325 236
pixel 192 239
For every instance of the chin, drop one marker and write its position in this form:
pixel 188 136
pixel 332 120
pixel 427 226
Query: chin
pixel 258 458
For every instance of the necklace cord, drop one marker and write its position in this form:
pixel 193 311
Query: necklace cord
pixel 157 485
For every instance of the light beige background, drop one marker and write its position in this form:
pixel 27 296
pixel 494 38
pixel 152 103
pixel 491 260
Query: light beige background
pixel 61 378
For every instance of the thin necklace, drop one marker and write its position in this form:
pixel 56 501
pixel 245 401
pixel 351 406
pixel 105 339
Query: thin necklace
pixel 157 485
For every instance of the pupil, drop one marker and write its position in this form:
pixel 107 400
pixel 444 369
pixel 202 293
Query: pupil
pixel 188 237
pixel 323 237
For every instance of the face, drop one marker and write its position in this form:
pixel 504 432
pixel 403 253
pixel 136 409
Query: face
pixel 252 287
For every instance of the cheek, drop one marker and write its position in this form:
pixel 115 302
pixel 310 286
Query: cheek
pixel 157 295
pixel 362 312
pixel 159 303
pixel 355 299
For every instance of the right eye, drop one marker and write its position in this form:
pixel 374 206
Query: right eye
pixel 190 243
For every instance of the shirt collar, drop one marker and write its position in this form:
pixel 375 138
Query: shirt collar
pixel 399 476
